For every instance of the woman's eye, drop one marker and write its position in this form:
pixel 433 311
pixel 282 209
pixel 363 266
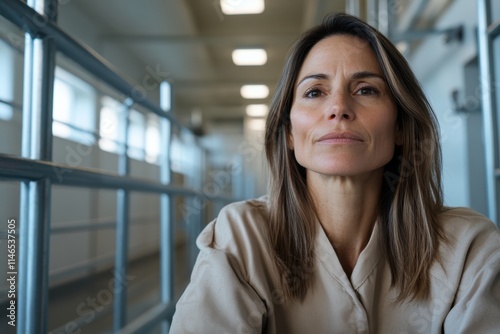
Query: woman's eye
pixel 367 91
pixel 312 93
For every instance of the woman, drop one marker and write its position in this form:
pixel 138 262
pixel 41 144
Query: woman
pixel 353 237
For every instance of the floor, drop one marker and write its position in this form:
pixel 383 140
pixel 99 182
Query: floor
pixel 86 306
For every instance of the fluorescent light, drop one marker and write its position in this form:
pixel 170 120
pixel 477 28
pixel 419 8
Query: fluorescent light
pixel 256 110
pixel 234 7
pixel 254 91
pixel 249 57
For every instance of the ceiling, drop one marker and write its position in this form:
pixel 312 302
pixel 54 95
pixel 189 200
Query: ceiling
pixel 190 42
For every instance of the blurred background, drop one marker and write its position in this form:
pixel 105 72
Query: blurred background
pixel 126 125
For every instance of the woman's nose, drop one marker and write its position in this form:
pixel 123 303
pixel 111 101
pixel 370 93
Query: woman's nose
pixel 339 107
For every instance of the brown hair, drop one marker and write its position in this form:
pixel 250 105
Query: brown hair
pixel 410 200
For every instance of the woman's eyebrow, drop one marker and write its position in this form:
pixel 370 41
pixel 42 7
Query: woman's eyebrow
pixel 355 76
pixel 366 74
pixel 320 76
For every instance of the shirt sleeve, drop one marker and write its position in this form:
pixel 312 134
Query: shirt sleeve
pixel 218 299
pixel 477 307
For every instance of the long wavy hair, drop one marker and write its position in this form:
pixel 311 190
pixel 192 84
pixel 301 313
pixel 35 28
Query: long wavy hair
pixel 411 196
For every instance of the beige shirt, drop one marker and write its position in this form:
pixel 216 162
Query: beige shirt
pixel 233 285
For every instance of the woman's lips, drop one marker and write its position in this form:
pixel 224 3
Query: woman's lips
pixel 340 138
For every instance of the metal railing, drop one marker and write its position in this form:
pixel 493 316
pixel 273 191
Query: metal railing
pixel 38 173
pixel 488 31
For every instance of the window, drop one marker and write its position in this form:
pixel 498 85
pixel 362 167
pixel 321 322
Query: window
pixel 153 139
pixel 178 155
pixel 136 135
pixel 185 154
pixel 74 108
pixel 6 80
pixel 111 126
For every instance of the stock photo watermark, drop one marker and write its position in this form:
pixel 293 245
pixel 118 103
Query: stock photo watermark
pixel 11 271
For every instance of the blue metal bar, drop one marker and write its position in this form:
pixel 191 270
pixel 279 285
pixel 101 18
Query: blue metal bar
pixel 23 295
pixel 32 314
pixel 19 168
pixel 488 107
pixel 166 221
pixel 122 220
pixel 121 259
pixel 35 206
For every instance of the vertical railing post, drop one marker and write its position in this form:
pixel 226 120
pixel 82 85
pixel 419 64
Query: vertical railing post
pixel 122 229
pixel 34 225
pixel 486 65
pixel 167 242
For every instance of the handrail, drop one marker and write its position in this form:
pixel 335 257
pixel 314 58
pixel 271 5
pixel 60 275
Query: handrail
pixel 92 224
pixel 26 169
pixel 37 25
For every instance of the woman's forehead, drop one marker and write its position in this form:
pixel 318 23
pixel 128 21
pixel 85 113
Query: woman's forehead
pixel 340 53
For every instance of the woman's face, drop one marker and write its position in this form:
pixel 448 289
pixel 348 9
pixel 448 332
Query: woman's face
pixel 343 117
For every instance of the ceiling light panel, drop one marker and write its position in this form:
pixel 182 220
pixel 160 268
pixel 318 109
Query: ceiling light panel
pixel 237 7
pixel 254 91
pixel 249 57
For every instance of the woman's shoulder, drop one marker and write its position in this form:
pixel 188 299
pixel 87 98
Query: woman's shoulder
pixel 471 239
pixel 244 211
pixel 239 225
pixel 466 223
pixel 239 233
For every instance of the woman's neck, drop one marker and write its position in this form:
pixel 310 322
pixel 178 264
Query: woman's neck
pixel 347 208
